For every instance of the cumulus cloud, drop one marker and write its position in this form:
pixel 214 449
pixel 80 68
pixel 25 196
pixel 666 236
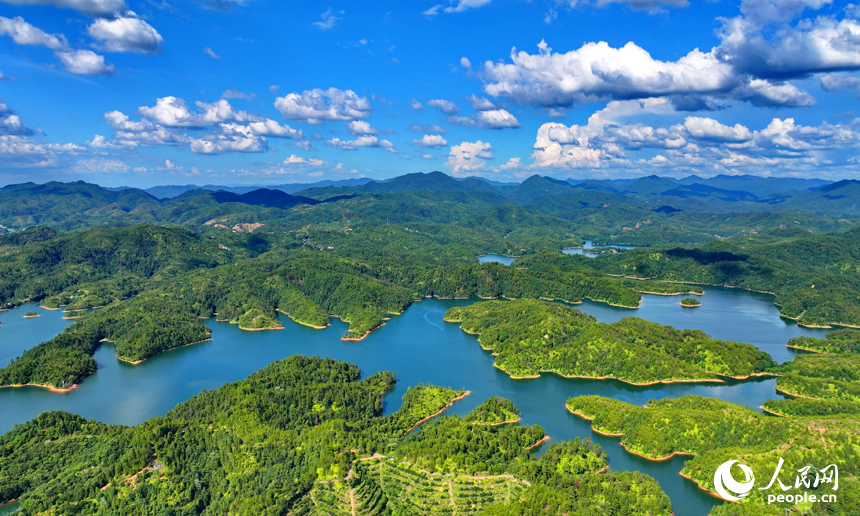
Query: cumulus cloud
pixel 329 19
pixel 416 105
pixel 298 160
pixel 12 145
pixel 173 112
pixel 431 141
pixel 445 106
pixel 305 145
pixel 834 82
pixel 211 53
pixel 88 7
pixel 492 119
pixel 126 33
pixel 83 62
pixel 698 144
pixel 230 138
pixel 458 7
pixel 758 53
pixel 362 141
pixel 132 133
pixel 317 105
pixel 468 157
pixel 360 127
pixel 480 103
pixel 10 123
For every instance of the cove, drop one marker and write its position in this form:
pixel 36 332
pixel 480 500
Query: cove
pixel 507 260
pixel 419 347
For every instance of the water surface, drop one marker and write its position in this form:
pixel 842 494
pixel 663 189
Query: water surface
pixel 417 346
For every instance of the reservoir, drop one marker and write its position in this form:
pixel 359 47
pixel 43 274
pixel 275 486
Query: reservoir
pixel 418 346
pixel 507 260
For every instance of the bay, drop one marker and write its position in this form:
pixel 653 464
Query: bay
pixel 418 346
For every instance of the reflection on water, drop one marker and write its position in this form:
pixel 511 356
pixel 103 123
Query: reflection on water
pixel 419 347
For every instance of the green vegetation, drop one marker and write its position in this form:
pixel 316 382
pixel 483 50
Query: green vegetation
pixel 255 319
pixel 495 411
pixel 716 431
pixel 293 437
pixel 662 287
pixel 821 376
pixel 529 337
pixel 140 328
pixel 815 277
pixel 31 314
pixel 690 302
pixel 811 407
pixel 839 341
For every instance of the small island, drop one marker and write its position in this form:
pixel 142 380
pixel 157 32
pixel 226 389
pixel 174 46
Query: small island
pixel 690 302
pixel 30 315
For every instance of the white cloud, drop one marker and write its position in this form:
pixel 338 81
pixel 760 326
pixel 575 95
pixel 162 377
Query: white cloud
pixel 416 105
pixel 360 127
pixel 173 112
pixel 468 157
pixel 298 160
pixel 492 119
pixel 126 33
pixel 88 7
pixel 211 53
pixel 269 127
pixel 431 141
pixel 20 146
pixel 84 62
pixel 480 103
pixel 10 123
pixel 100 166
pixel 834 82
pixel 427 156
pixel 317 105
pixel 758 53
pixel 305 145
pixel 144 132
pixel 329 19
pixel 699 145
pixel 710 129
pixel 445 106
pixel 362 141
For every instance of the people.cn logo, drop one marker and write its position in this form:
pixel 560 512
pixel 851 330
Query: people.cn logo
pixel 725 484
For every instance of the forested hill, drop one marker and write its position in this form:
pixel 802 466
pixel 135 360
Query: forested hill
pixel 302 434
pixel 645 211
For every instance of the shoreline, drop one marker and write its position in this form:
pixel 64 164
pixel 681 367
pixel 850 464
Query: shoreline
pixel 544 439
pixel 303 323
pixel 645 384
pixel 31 316
pixel 508 422
pixel 712 493
pixel 359 339
pixel 443 409
pixel 583 416
pixel 690 306
pixel 783 391
pixel 260 329
pixel 42 386
pixel 807 349
pixel 136 362
pixel 771 412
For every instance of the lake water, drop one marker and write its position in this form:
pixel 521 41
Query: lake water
pixel 418 346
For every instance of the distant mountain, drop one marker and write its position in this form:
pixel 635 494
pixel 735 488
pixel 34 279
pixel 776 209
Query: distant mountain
pixel 756 185
pixel 701 190
pixel 650 185
pixel 427 181
pixel 171 191
pixel 264 197
pixel 536 187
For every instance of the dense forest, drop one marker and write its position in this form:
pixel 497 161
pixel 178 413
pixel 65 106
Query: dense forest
pixel 306 436
pixel 716 431
pixel 528 337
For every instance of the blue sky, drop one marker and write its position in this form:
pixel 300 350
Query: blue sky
pixel 145 92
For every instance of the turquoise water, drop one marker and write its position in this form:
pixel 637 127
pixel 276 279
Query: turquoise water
pixel 507 260
pixel 8 508
pixel 418 346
